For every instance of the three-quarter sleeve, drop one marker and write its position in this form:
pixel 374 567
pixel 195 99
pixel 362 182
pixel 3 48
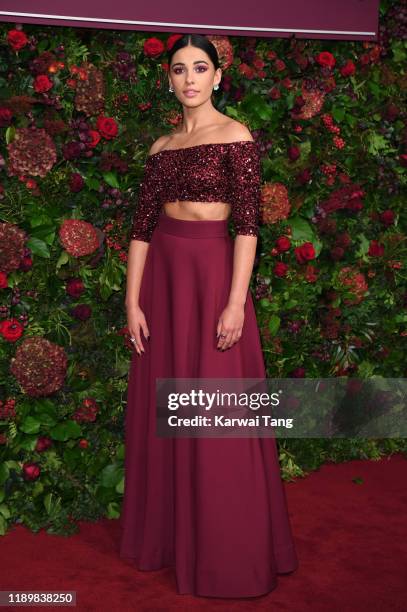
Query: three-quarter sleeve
pixel 245 187
pixel 148 208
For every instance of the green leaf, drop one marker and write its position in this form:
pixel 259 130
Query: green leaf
pixel 38 247
pixel 10 133
pixel 30 425
pixel 5 511
pixel 274 324
pixel 4 473
pixel 120 486
pixel 111 475
pixel 338 113
pixel 301 230
pixel 113 510
pixel 62 260
pixel 65 431
pixel 111 179
pixel 29 443
pixel 92 183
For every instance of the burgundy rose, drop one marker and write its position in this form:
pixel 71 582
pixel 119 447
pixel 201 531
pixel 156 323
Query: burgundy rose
pixel 387 217
pixel 283 244
pixel 376 249
pixel 304 252
pixel 71 150
pixel 26 263
pixel 280 269
pixel 294 153
pixel 5 116
pixel 75 287
pixel 337 253
pixel 298 373
pixel 43 443
pixel 81 312
pixel 76 182
pixel 304 177
pixel 31 471
pixel 343 240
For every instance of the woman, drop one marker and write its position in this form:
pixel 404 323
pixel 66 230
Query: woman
pixel 214 508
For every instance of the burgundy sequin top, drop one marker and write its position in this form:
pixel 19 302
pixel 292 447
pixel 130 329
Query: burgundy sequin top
pixel 211 172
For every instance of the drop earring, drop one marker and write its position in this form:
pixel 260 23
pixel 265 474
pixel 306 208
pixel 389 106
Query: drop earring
pixel 170 89
pixel 216 87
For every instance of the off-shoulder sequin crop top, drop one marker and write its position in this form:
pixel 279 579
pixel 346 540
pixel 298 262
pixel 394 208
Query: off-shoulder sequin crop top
pixel 212 172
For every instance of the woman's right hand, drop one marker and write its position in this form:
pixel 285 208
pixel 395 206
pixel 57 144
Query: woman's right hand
pixel 135 322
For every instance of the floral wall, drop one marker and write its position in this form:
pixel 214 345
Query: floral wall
pixel 79 109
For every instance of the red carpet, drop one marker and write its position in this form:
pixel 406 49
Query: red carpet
pixel 351 541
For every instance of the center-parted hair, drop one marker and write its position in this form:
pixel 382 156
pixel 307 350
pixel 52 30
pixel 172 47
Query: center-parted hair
pixel 196 40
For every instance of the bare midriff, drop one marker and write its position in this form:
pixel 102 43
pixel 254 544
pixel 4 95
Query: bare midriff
pixel 192 211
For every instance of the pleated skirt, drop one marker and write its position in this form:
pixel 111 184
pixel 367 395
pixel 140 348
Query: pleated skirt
pixel 214 509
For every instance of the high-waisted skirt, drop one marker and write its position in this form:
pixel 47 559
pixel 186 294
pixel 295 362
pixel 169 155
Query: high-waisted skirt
pixel 212 508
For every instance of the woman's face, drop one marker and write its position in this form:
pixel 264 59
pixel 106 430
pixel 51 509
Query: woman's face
pixel 192 69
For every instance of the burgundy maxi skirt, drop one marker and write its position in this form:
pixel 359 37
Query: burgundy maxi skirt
pixel 212 508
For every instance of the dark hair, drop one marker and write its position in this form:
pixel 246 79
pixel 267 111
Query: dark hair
pixel 196 40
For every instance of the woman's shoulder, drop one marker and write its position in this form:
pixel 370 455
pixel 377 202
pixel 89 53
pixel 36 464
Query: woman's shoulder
pixel 159 144
pixel 229 131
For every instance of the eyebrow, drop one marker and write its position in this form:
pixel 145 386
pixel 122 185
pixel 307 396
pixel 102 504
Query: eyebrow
pixel 182 63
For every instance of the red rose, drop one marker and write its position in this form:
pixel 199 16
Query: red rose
pixel 294 153
pixel 387 217
pixel 42 83
pixel 75 287
pixel 95 139
pixel 305 252
pixel 279 65
pixel 26 263
pixel 153 47
pixel 283 244
pixel 11 330
pixel 83 443
pixel 280 269
pixel 5 116
pixel 76 182
pixel 403 159
pixel 107 127
pixel 311 273
pixel 325 58
pixel 3 280
pixel 43 443
pixel 31 471
pixel 298 373
pixel 81 312
pixel 16 39
pixel 348 69
pixel 375 249
pixel 337 253
pixel 343 240
pixel 172 39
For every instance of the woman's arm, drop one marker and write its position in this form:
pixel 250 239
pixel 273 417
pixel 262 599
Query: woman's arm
pixel 144 220
pixel 243 260
pixel 245 195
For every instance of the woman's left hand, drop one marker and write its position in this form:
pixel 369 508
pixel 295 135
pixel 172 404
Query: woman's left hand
pixel 230 325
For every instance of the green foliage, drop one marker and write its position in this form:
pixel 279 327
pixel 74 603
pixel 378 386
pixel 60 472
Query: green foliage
pixel 309 318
